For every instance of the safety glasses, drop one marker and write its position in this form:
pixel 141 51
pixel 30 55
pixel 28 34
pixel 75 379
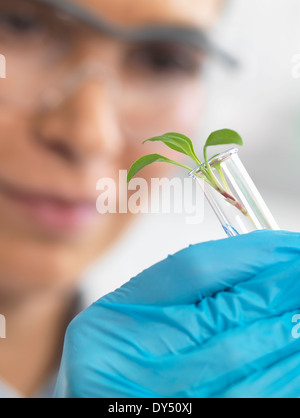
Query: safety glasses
pixel 52 47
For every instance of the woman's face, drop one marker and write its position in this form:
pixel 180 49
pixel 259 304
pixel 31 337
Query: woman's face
pixel 74 108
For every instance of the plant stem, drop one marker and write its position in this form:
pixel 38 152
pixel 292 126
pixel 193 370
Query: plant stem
pixel 222 177
pixel 209 177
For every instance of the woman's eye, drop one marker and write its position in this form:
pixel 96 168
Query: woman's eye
pixel 162 59
pixel 19 24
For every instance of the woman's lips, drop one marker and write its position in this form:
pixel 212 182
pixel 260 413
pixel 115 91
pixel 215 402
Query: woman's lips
pixel 59 215
pixel 50 211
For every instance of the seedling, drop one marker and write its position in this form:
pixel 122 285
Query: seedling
pixel 184 145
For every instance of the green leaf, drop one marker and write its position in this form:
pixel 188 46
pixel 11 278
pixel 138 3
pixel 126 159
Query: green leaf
pixel 177 142
pixel 150 159
pixel 222 137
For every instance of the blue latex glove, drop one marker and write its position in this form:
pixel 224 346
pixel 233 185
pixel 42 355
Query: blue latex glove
pixel 214 320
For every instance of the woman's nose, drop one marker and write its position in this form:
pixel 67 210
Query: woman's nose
pixel 84 125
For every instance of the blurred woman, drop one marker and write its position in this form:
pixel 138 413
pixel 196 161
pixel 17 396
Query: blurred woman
pixel 76 104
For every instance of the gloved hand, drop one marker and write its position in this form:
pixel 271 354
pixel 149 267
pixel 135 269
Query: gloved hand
pixel 214 320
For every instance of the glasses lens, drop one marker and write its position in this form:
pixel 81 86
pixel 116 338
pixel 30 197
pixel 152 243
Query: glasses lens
pixel 38 42
pixel 33 39
pixel 159 78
